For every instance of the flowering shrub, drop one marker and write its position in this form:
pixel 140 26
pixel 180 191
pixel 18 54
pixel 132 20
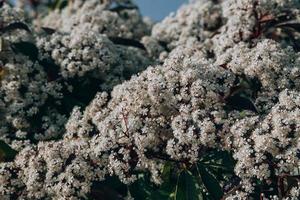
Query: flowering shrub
pixel 98 102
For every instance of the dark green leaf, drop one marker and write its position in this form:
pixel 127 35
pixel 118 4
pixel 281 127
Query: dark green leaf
pixel 121 7
pixel 188 188
pixel 27 48
pixel 211 183
pixel 109 189
pixel 59 4
pixel 220 164
pixel 6 152
pixel 142 188
pixel 15 26
pixel 48 30
pixel 69 102
pixel 169 177
pixel 127 42
pixel 291 39
pixel 241 103
pixel 50 68
pixel 291 24
pixel 218 157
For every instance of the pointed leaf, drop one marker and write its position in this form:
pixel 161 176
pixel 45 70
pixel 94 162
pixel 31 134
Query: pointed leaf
pixel 59 4
pixel 188 187
pixel 48 30
pixel 109 189
pixel 26 48
pixel 14 26
pixel 167 188
pixel 210 182
pixel 127 42
pixel 116 7
pixel 141 189
pixel 241 103
pixel 6 152
pixel 293 24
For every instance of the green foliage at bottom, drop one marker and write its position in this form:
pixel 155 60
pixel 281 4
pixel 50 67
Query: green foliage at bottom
pixel 204 180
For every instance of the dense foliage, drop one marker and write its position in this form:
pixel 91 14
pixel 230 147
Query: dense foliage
pixel 99 102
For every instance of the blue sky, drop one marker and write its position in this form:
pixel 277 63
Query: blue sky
pixel 158 9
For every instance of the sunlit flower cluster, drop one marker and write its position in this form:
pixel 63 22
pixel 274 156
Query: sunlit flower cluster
pixel 208 77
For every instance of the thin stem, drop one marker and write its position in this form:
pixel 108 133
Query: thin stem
pixel 176 188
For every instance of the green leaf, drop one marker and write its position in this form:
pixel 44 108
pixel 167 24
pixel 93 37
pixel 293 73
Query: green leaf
pixel 117 7
pixel 141 189
pixel 188 188
pixel 294 24
pixel 26 48
pixel 7 154
pixel 69 102
pixel 166 172
pixel 50 68
pixel 210 182
pixel 218 159
pixel 109 189
pixel 48 30
pixel 58 4
pixel 241 103
pixel 14 26
pixel 127 42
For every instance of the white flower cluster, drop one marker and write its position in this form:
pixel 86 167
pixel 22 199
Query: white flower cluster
pixel 192 23
pixel 89 54
pixel 111 18
pixel 268 144
pixel 222 83
pixel 33 92
pixel 25 90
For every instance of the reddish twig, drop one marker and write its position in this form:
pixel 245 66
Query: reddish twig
pixel 233 190
pixel 125 119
